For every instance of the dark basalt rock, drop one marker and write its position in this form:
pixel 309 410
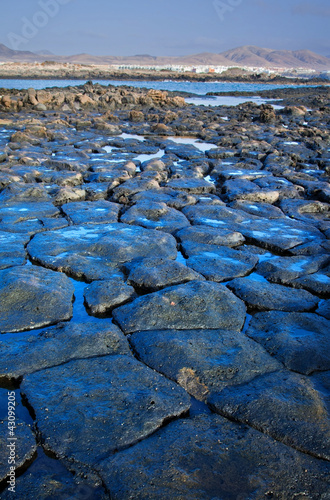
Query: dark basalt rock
pixel 211 236
pixel 24 447
pixel 203 362
pixel 283 405
pixel 155 215
pixel 88 212
pixel 96 251
pixel 192 186
pixel 284 269
pixel 155 273
pixel 12 249
pixel 116 401
pixel 67 341
pixel 324 309
pixel 318 283
pixel 103 296
pixel 223 265
pixel 299 340
pixel 209 457
pixel 33 297
pixel 196 304
pixel 279 235
pixel 259 294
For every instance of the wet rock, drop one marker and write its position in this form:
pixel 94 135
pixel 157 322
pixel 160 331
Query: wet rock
pixel 246 190
pixel 103 296
pixel 88 212
pixel 94 252
pixel 222 265
pixel 279 235
pixel 125 191
pixel 48 478
pixel 211 236
pixel 172 198
pixel 196 304
pixel 11 213
pixel 66 195
pixel 259 294
pixel 284 269
pixel 215 216
pixel 283 405
pixel 23 448
pixel 317 283
pixel 115 398
pixel 299 340
pixel 155 273
pixel 267 113
pixel 155 215
pixel 210 457
pixel 67 341
pixel 324 309
pixel 12 249
pixel 258 209
pixel 203 362
pixel 310 211
pixel 33 297
pixel 192 186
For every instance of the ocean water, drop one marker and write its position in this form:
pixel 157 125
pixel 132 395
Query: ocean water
pixel 199 88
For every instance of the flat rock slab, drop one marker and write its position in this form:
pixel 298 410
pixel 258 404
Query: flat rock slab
pixel 301 341
pixel 203 361
pixel 324 309
pixel 208 457
pixel 284 405
pixel 279 235
pixel 20 211
pixel 103 296
pixel 87 409
pixel 196 304
pixel 153 215
pixel 210 236
pixel 28 353
pixel 262 295
pixel 12 249
pixel 192 186
pixel 47 479
pixel 216 216
pixel 284 269
pixel 258 209
pixel 33 297
pixel 156 273
pixel 92 212
pixel 24 447
pixel 93 252
pixel 223 265
pixel 317 283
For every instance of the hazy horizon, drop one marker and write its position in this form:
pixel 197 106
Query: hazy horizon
pixel 66 27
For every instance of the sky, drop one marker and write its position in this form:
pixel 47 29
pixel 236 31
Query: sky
pixel 163 27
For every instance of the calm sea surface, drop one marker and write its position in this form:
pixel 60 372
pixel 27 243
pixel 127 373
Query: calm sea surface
pixel 201 88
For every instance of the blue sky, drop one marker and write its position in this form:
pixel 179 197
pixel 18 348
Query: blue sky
pixel 164 27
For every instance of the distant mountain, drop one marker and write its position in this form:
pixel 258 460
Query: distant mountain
pixel 248 56
pixel 9 55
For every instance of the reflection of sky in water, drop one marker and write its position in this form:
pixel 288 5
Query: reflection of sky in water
pixel 229 101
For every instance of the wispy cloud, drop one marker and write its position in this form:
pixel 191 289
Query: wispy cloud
pixel 311 9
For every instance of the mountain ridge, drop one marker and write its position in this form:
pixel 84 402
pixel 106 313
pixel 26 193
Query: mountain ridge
pixel 246 55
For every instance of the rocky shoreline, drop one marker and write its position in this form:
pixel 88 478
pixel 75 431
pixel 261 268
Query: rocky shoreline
pixel 165 295
pixel 50 70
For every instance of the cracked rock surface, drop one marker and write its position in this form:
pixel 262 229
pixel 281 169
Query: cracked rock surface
pixel 164 295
